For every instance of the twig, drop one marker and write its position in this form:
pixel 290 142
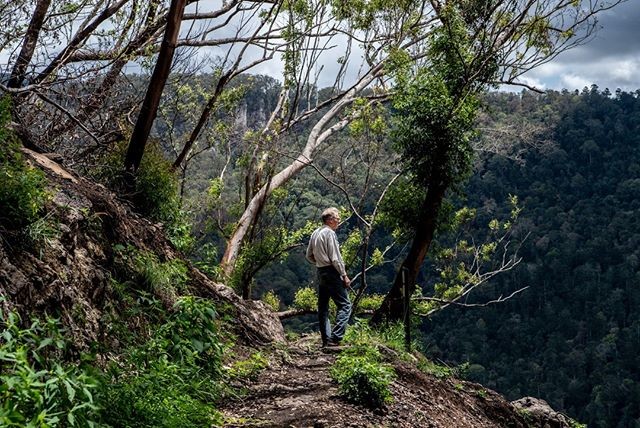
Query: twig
pixel 68 113
pixel 471 305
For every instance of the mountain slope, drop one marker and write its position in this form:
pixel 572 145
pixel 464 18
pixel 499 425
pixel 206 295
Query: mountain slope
pixel 78 268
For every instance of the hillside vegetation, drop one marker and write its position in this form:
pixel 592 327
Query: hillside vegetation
pixel 104 323
pixel 573 337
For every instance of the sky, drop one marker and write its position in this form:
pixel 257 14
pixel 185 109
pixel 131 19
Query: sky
pixel 610 60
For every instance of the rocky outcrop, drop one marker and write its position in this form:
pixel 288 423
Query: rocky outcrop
pixel 538 413
pixel 68 272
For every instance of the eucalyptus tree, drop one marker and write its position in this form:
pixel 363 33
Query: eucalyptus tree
pixel 66 62
pixel 161 70
pixel 473 45
pixel 461 48
pixel 377 30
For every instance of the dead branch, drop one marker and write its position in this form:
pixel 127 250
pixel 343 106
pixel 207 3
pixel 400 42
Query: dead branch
pixel 500 299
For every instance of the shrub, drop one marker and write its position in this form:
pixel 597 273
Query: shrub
pixel 442 371
pixel 22 193
pixel 362 378
pixel 172 380
pixel 35 389
pixel 391 336
pixel 156 194
pixel 163 394
pixel 164 279
pixel 370 302
pixel 191 334
pixel 249 368
pixel 272 300
pixel 306 298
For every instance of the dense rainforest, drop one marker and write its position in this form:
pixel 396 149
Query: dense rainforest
pixel 574 336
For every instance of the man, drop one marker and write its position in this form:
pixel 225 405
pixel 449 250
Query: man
pixel 333 282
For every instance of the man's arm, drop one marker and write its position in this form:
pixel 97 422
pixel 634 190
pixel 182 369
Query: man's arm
pixel 336 258
pixel 309 254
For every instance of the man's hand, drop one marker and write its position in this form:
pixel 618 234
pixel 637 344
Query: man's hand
pixel 346 281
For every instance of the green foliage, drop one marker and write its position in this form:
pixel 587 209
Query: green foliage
pixel 461 258
pixel 370 302
pixel 272 300
pixel 399 209
pixel 369 122
pixel 171 381
pixel 527 416
pixel 36 389
pixel 575 424
pixel 362 380
pixel 179 231
pixel 377 257
pixel 164 279
pixel 191 334
pixel 442 371
pixel 22 193
pixel 306 298
pixel 364 14
pixel 156 194
pixel 273 244
pixel 163 394
pixel 156 186
pixel 434 111
pixel 392 336
pixel 207 260
pixel 361 375
pixel 349 248
pixel 432 128
pixel 248 369
pixel 42 232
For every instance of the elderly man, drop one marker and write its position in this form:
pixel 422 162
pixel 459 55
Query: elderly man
pixel 333 282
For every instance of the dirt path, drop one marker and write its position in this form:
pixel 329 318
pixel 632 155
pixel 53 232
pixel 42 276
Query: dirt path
pixel 297 391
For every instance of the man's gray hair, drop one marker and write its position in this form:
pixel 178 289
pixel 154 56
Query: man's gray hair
pixel 330 213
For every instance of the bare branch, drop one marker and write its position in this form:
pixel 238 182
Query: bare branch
pixel 500 299
pixel 69 114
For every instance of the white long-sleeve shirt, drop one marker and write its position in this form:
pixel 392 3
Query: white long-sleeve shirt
pixel 324 250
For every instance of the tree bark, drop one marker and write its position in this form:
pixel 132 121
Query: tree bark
pixel 29 43
pixel 391 308
pixel 250 214
pixel 159 78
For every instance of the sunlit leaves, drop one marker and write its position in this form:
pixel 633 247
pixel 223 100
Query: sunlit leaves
pixel 306 298
pixel 350 247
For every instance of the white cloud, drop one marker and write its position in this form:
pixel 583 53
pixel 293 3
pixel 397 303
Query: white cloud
pixel 534 82
pixel 574 81
pixel 626 69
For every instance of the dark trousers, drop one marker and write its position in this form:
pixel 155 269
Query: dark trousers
pixel 331 286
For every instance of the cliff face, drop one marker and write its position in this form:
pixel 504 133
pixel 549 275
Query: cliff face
pixel 69 272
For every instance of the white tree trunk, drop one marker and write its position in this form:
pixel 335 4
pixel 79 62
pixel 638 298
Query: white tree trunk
pixel 317 137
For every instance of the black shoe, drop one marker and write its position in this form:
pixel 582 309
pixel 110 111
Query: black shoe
pixel 332 343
